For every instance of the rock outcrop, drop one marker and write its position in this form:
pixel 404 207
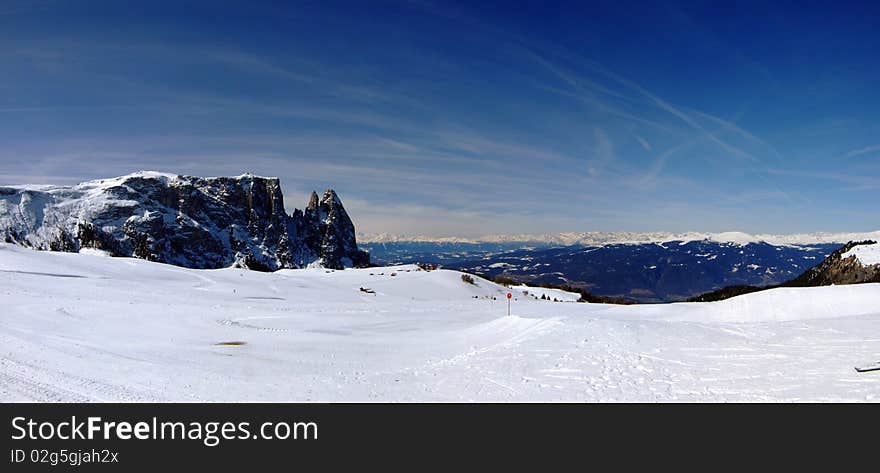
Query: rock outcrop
pixel 840 267
pixel 183 220
pixel 326 227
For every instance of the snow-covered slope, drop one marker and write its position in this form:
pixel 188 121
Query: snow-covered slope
pixel 866 254
pixel 78 327
pixel 547 293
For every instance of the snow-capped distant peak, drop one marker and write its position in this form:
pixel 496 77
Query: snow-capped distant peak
pixel 608 238
pixel 739 238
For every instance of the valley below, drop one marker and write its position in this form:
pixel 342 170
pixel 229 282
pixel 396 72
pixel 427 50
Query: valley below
pixel 668 269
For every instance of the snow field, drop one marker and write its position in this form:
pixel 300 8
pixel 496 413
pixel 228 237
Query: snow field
pixel 82 327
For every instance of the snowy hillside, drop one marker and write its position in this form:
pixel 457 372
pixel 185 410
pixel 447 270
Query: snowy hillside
pixel 78 327
pixel 547 293
pixel 866 254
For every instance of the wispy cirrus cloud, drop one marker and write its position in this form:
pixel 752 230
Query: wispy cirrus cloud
pixel 478 121
pixel 852 182
pixel 862 151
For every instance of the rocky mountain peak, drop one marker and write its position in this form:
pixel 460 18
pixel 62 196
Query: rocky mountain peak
pixel 327 227
pixel 313 202
pixel 330 199
pixel 183 220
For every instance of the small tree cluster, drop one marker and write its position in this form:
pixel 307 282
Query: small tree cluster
pixel 468 279
pixel 504 281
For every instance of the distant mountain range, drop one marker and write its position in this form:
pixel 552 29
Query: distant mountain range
pixel 641 267
pixel 641 272
pixel 603 238
pixel 183 220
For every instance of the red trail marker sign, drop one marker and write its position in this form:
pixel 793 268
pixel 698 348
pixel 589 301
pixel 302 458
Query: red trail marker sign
pixel 509 296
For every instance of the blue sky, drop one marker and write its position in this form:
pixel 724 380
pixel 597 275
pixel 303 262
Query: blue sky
pixel 447 118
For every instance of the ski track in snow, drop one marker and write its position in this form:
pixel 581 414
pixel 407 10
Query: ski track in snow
pixel 130 330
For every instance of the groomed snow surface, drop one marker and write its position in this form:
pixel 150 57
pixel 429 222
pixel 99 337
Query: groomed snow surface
pixel 83 327
pixel 547 293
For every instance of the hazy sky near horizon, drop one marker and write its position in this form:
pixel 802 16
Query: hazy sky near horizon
pixel 466 118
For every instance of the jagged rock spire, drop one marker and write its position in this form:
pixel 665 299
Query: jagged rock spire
pixel 328 232
pixel 313 202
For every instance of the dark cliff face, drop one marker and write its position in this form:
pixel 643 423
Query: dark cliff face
pixel 195 222
pixel 330 232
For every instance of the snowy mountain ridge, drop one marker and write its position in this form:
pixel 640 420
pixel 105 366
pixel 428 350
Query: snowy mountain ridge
pixel 183 220
pixel 607 238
